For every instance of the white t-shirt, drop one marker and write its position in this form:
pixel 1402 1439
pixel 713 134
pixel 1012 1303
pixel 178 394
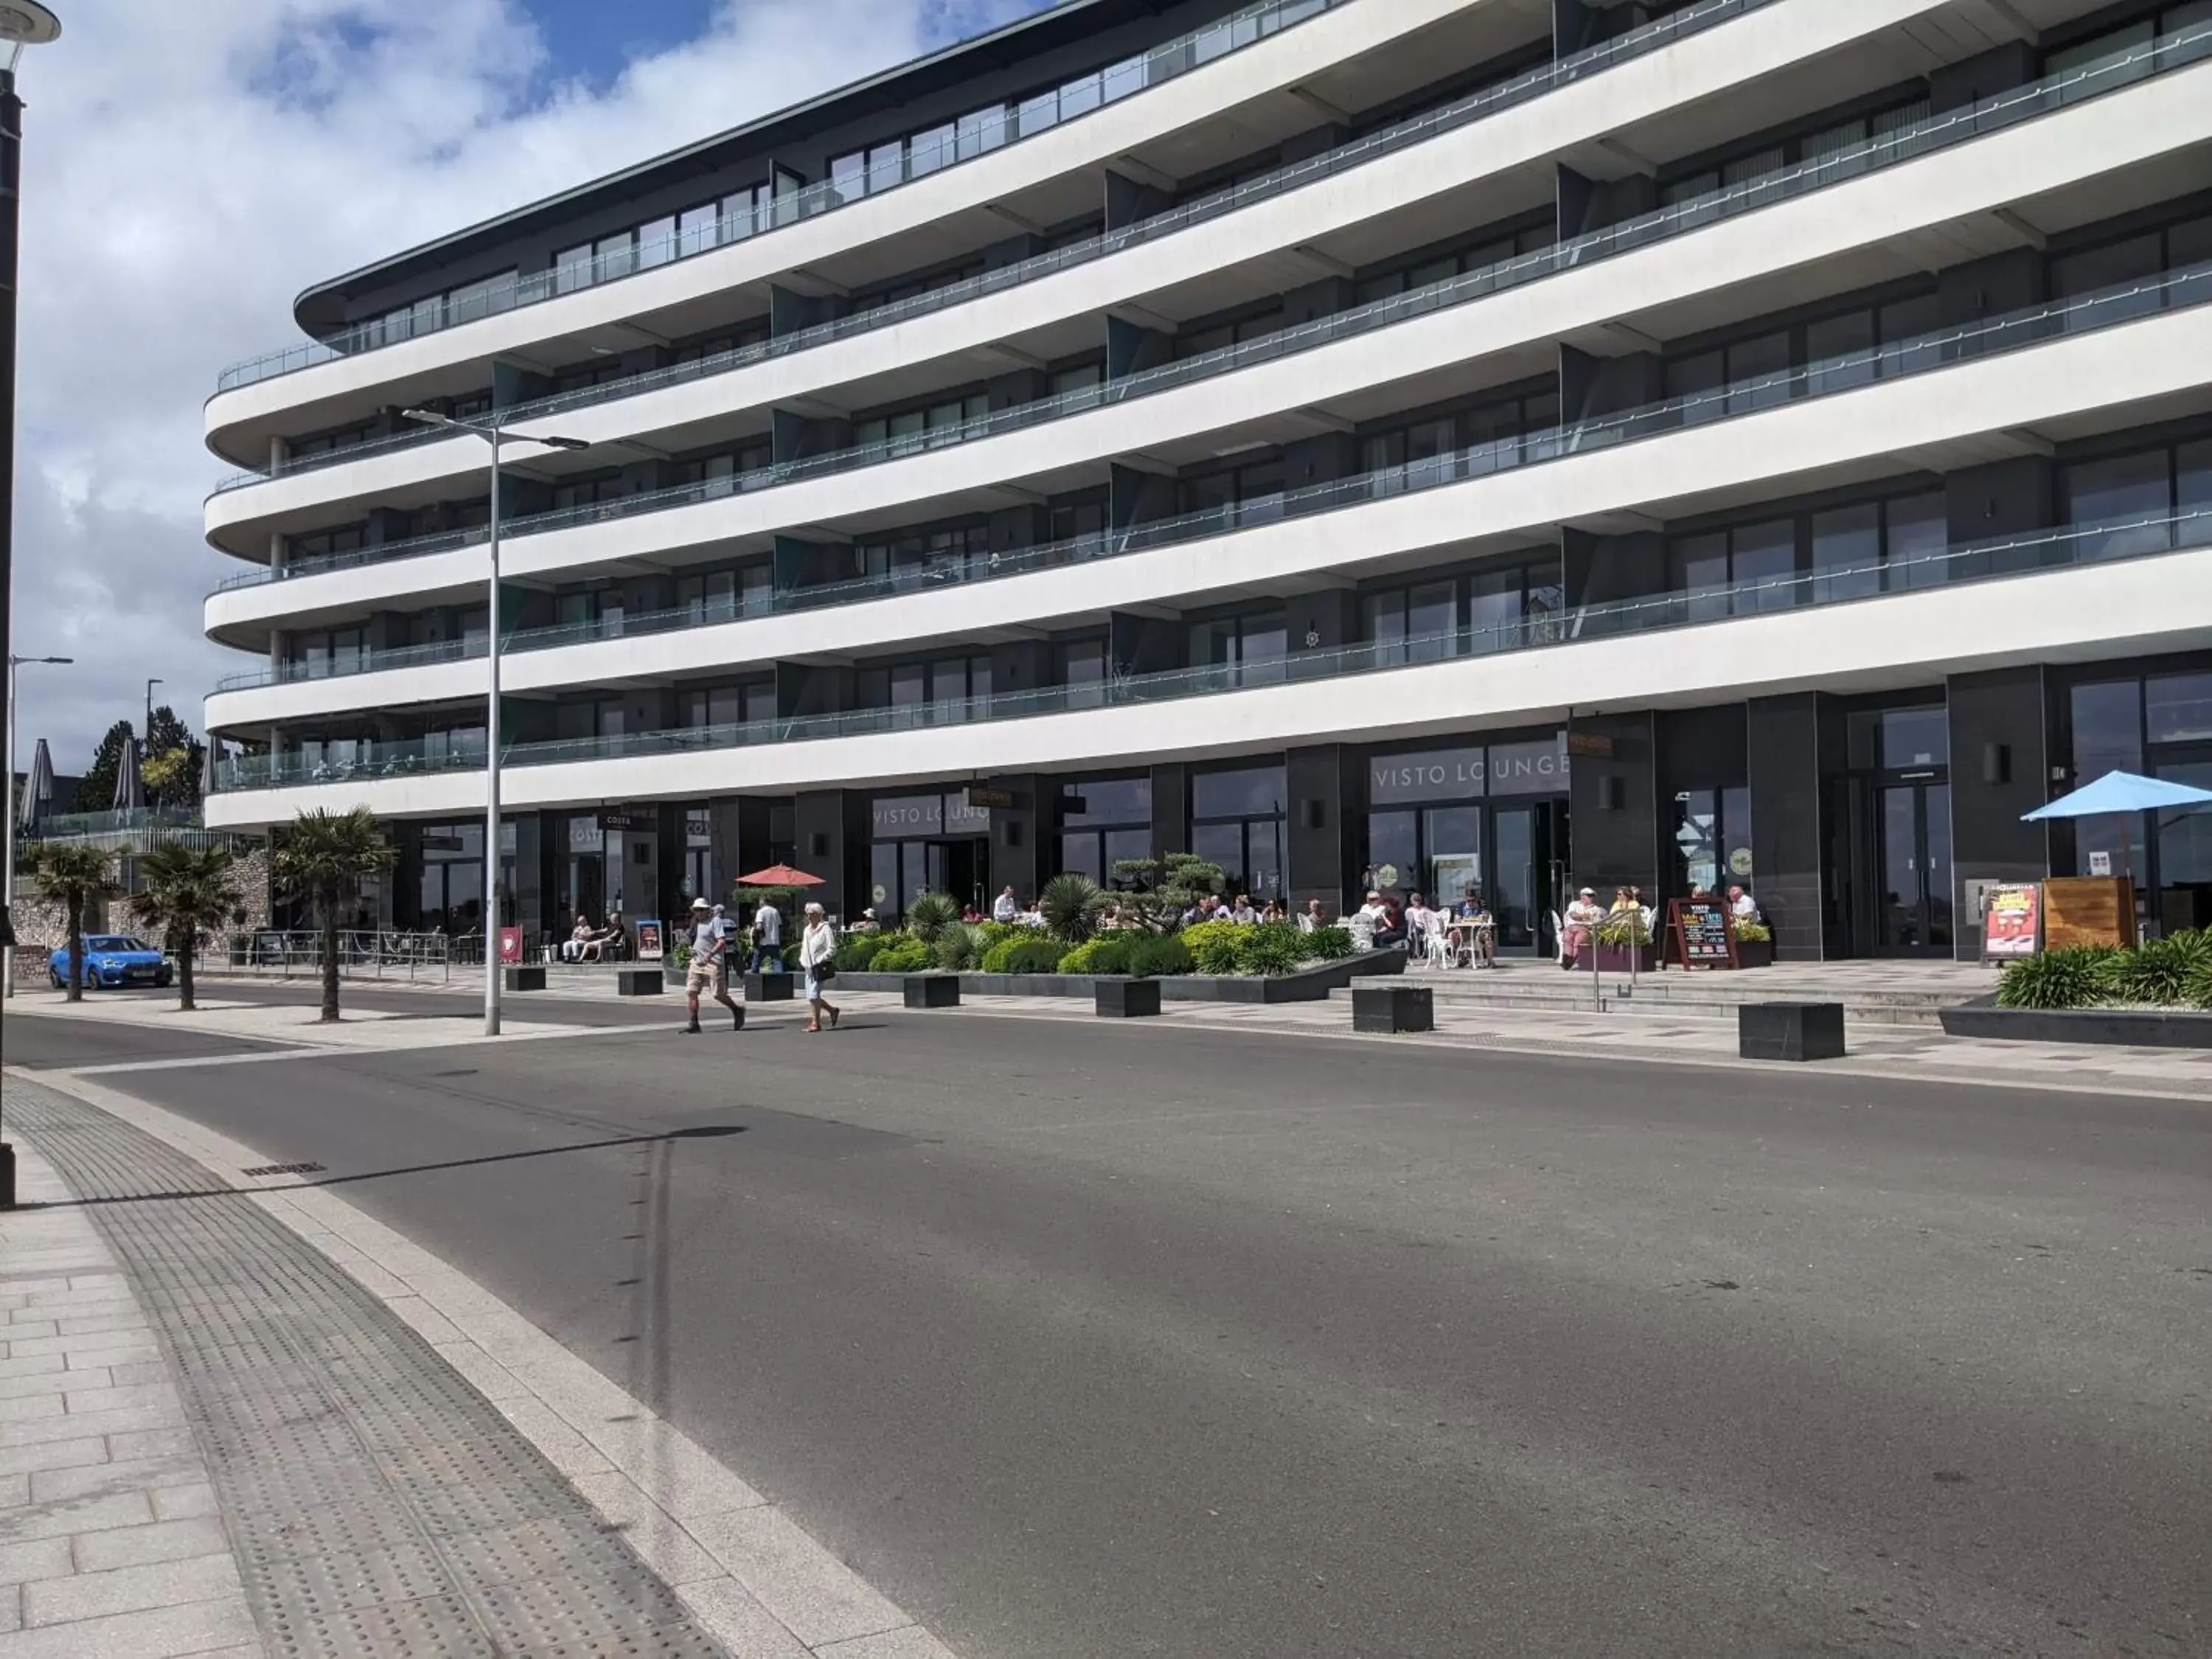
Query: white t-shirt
pixel 768 925
pixel 1005 909
pixel 1745 908
pixel 706 936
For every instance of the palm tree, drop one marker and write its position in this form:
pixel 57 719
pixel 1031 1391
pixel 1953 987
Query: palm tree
pixel 80 872
pixel 323 857
pixel 188 892
pixel 1070 904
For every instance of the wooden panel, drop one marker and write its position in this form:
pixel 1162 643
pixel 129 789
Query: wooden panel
pixel 2089 910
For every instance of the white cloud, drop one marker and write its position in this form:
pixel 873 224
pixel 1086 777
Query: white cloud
pixel 188 169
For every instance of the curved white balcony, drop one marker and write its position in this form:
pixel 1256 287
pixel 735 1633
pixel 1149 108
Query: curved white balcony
pixel 1252 79
pixel 1972 619
pixel 2098 372
pixel 1472 160
pixel 2161 119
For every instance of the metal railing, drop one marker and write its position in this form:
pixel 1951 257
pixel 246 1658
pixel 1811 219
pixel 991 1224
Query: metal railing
pixel 1907 142
pixel 1824 377
pixel 2108 541
pixel 276 953
pixel 1192 49
pixel 1386 141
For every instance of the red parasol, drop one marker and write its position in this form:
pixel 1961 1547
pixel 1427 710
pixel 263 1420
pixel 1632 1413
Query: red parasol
pixel 779 875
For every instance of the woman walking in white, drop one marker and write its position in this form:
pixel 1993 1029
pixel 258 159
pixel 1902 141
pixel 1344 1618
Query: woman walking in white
pixel 816 945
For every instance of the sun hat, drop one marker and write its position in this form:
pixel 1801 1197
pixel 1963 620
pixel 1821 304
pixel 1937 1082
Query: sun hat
pixel 700 904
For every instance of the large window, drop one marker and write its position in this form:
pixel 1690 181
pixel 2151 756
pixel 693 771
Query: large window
pixel 1712 839
pixel 2129 500
pixel 1754 372
pixel 1250 647
pixel 1082 670
pixel 2160 724
pixel 1500 604
pixel 1236 822
pixel 1104 821
pixel 1246 492
pixel 1465 442
pixel 917 558
pixel 750 702
pixel 1441 265
pixel 1849 551
pixel 902 432
pixel 724 595
pixel 330 651
pixel 937 691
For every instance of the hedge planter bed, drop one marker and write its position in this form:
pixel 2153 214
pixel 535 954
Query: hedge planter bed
pixel 1312 984
pixel 1619 959
pixel 2142 1028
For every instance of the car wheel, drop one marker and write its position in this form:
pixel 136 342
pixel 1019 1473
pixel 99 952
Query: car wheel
pixel 55 975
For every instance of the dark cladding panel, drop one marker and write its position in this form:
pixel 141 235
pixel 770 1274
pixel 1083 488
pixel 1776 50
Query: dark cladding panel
pixel 1785 820
pixel 1998 764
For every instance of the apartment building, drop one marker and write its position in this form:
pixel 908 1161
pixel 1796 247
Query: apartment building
pixel 1525 442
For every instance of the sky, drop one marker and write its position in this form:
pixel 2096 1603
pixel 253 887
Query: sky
pixel 188 169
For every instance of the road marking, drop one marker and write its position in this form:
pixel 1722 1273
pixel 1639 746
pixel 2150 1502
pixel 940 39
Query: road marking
pixel 679 1506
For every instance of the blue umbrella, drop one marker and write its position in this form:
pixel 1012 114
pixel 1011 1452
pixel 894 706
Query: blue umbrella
pixel 2122 792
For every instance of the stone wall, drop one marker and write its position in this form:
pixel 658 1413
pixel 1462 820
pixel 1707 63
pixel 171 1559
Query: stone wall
pixel 41 924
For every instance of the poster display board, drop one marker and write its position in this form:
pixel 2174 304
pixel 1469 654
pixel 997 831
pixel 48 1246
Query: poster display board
pixel 510 945
pixel 2012 921
pixel 2089 910
pixel 650 944
pixel 1700 933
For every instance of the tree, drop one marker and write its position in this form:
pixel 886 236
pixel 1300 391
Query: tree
pixel 95 790
pixel 173 762
pixel 324 857
pixel 80 872
pixel 188 892
pixel 1160 890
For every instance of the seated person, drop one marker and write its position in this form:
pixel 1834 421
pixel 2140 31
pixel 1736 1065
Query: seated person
pixel 1274 911
pixel 1583 915
pixel 1482 930
pixel 572 948
pixel 1310 919
pixel 1624 902
pixel 1419 920
pixel 612 944
pixel 1740 905
pixel 867 923
pixel 1241 912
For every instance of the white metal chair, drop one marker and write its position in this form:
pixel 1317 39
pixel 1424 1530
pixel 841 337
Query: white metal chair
pixel 1436 945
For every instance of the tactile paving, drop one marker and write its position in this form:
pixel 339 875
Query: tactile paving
pixel 378 1505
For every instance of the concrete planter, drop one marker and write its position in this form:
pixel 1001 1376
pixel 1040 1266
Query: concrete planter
pixel 1312 984
pixel 932 990
pixel 1754 953
pixel 1616 959
pixel 1126 999
pixel 1390 1009
pixel 770 987
pixel 2144 1028
pixel 638 982
pixel 523 978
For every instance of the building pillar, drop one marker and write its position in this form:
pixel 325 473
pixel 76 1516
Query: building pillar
pixel 1017 834
pixel 1613 788
pixel 1170 809
pixel 1319 844
pixel 822 821
pixel 1998 765
pixel 1783 741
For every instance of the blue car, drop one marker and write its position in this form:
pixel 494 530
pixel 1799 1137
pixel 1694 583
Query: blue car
pixel 111 961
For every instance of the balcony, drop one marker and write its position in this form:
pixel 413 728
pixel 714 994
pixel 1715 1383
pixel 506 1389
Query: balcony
pixel 2105 544
pixel 1387 141
pixel 1754 395
pixel 1908 143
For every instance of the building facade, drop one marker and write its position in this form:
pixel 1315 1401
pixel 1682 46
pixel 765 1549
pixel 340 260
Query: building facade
pixel 1531 442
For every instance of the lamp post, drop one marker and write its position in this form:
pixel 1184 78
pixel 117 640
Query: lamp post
pixel 22 23
pixel 8 833
pixel 148 727
pixel 491 433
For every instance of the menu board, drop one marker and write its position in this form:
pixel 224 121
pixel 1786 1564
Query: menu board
pixel 1702 935
pixel 2012 921
pixel 649 941
pixel 2089 910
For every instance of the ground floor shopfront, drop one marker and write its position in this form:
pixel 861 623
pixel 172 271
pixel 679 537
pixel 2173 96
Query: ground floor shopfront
pixel 1863 825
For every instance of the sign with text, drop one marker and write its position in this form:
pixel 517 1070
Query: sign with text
pixel 1501 768
pixel 1701 933
pixel 2012 921
pixel 650 943
pixel 890 817
pixel 619 821
pixel 984 800
pixel 510 944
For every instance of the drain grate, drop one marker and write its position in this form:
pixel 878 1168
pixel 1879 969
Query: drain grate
pixel 284 1168
pixel 380 1507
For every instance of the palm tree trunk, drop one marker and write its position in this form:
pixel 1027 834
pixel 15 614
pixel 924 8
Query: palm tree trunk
pixel 75 901
pixel 184 973
pixel 331 960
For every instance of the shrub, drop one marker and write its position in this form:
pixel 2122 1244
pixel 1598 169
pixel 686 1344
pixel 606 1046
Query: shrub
pixel 2072 978
pixel 1213 945
pixel 1070 905
pixel 1754 932
pixel 857 951
pixel 996 932
pixel 1625 929
pixel 930 914
pixel 2197 993
pixel 1034 956
pixel 1102 953
pixel 2160 970
pixel 1329 944
pixel 1162 954
pixel 960 945
pixel 1272 947
pixel 901 953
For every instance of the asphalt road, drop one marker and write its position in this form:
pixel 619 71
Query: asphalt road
pixel 1086 1340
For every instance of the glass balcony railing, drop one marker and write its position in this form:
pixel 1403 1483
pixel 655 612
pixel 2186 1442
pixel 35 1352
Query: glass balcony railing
pixel 1178 57
pixel 2105 542
pixel 1385 140
pixel 1824 377
pixel 1906 142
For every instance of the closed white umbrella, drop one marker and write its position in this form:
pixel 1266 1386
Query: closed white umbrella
pixel 130 785
pixel 37 790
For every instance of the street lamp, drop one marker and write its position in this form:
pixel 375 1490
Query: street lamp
pixel 148 727
pixel 491 433
pixel 8 835
pixel 22 23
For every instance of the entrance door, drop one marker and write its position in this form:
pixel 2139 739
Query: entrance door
pixel 961 868
pixel 1912 822
pixel 1530 882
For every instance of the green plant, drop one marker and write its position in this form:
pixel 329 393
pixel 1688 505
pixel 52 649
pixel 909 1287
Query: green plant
pixel 856 952
pixel 901 953
pixel 996 958
pixel 679 955
pixel 930 914
pixel 1213 945
pixel 1754 932
pixel 80 872
pixel 1102 953
pixel 1149 956
pixel 997 932
pixel 958 944
pixel 1272 947
pixel 2197 993
pixel 325 857
pixel 1627 928
pixel 2158 970
pixel 1034 955
pixel 1159 890
pixel 1070 905
pixel 1329 944
pixel 2076 977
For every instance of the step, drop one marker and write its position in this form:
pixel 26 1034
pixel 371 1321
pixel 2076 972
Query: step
pixel 1708 996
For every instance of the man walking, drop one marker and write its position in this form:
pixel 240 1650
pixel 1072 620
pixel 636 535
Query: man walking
pixel 768 938
pixel 710 968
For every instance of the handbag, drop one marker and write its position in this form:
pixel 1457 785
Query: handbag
pixel 824 972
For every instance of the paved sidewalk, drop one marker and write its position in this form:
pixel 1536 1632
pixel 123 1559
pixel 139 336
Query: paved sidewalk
pixel 109 1541
pixel 402 1466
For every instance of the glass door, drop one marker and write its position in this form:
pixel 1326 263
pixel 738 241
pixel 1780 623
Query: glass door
pixel 1513 887
pixel 1913 859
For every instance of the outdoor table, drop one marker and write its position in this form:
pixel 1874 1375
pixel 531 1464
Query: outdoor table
pixel 1463 935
